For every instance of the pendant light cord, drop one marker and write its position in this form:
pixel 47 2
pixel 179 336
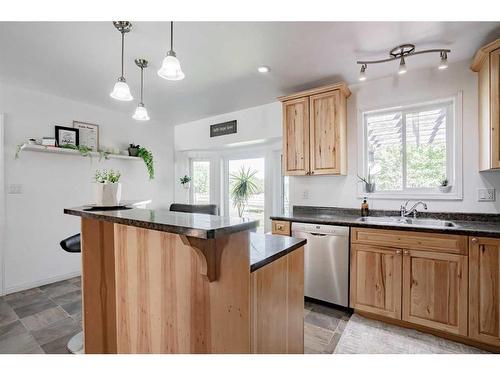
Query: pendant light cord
pixel 123 44
pixel 142 83
pixel 171 35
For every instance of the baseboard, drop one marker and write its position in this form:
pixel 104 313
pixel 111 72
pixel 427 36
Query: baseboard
pixel 34 284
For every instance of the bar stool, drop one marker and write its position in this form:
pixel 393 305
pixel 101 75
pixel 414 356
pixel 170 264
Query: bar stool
pixel 73 245
pixel 210 209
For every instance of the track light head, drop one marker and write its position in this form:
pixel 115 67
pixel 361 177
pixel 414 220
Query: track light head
pixel 362 73
pixel 402 66
pixel 444 61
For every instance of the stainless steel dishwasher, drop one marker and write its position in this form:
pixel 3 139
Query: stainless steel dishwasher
pixel 326 262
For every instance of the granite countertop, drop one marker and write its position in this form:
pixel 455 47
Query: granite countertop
pixel 486 225
pixel 266 248
pixel 193 225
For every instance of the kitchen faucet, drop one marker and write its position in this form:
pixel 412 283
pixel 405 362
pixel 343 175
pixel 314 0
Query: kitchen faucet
pixel 412 211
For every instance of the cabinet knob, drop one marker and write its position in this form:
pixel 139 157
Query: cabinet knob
pixel 312 172
pixel 474 240
pixel 279 226
pixel 398 252
pixel 406 252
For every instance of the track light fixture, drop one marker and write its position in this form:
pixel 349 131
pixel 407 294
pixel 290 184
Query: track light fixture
pixel 401 53
pixel 141 113
pixel 121 91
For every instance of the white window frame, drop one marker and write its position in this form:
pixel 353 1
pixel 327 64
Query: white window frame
pixel 2 207
pixel 210 176
pixel 454 153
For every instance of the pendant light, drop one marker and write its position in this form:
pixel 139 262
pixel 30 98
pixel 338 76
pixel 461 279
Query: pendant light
pixel 171 67
pixel 121 91
pixel 141 113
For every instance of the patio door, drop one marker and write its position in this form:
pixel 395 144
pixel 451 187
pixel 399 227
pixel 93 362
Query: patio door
pixel 245 188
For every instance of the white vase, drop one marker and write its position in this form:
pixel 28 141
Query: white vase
pixel 108 194
pixel 445 189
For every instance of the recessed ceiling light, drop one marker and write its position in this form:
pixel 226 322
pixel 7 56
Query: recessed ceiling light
pixel 263 69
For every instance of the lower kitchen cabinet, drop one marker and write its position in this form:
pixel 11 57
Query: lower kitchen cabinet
pixel 484 290
pixel 376 280
pixel 435 290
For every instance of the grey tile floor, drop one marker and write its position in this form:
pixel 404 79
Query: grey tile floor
pixel 41 320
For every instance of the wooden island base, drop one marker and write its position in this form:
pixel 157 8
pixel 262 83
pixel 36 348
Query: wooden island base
pixel 148 291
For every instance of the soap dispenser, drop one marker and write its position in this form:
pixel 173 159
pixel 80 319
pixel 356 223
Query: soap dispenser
pixel 365 210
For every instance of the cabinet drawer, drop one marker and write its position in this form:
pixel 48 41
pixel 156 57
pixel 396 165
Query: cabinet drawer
pixel 447 243
pixel 281 227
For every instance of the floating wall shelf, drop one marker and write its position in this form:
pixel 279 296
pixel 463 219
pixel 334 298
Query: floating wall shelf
pixel 67 151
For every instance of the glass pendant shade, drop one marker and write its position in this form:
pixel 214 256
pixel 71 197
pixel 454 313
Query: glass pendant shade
pixel 171 68
pixel 121 91
pixel 141 113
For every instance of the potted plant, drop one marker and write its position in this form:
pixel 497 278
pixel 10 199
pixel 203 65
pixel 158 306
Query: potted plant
pixel 369 184
pixel 185 181
pixel 244 184
pixel 108 190
pixel 133 150
pixel 444 186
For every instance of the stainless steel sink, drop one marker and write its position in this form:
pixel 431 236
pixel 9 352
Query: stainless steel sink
pixel 397 220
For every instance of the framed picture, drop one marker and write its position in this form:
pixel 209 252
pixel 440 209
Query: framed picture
pixel 66 136
pixel 88 134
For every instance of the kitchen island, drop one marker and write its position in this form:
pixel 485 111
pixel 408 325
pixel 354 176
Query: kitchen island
pixel 156 281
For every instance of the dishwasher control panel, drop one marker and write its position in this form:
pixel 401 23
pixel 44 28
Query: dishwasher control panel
pixel 320 229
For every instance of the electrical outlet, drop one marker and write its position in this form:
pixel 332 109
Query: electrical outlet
pixel 305 194
pixel 15 189
pixel 486 195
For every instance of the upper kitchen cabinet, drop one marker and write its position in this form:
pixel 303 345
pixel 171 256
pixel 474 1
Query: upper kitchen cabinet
pixel 486 63
pixel 315 131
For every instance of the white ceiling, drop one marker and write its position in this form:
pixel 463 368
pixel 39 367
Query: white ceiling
pixel 81 60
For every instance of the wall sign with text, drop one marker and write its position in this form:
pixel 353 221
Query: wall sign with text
pixel 223 128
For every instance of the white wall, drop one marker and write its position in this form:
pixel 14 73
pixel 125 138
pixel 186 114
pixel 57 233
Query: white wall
pixel 415 86
pixel 35 222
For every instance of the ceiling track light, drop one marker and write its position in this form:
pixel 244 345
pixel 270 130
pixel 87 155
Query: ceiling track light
pixel 121 91
pixel 171 67
pixel 401 53
pixel 141 113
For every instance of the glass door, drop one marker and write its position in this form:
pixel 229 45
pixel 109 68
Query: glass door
pixel 245 182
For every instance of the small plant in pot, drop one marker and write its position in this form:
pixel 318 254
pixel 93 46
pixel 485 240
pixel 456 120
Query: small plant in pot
pixel 368 183
pixel 185 181
pixel 444 186
pixel 133 150
pixel 108 190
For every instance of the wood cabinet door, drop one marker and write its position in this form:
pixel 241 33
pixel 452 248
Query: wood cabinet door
pixel 327 133
pixel 495 107
pixel 376 280
pixel 296 137
pixel 484 290
pixel 435 290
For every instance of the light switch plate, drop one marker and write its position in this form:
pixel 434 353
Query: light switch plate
pixel 486 195
pixel 305 194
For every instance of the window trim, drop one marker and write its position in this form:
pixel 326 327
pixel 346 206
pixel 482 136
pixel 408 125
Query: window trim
pixel 455 152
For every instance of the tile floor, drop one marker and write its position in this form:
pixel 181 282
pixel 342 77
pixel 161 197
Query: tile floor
pixel 42 320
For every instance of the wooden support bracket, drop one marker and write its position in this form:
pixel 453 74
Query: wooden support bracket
pixel 209 252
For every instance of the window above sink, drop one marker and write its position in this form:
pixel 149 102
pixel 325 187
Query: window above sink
pixel 409 149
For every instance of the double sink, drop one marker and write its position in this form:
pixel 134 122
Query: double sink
pixel 398 220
